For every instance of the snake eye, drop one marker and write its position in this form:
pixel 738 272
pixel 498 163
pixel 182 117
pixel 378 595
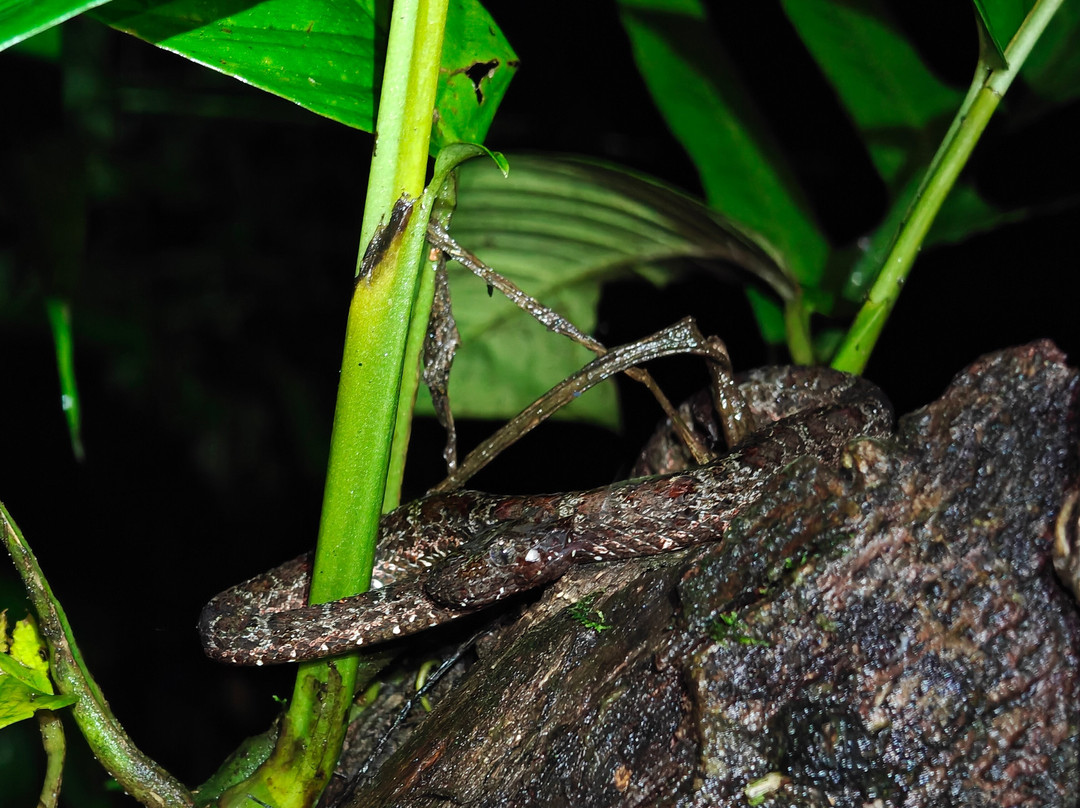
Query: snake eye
pixel 502 554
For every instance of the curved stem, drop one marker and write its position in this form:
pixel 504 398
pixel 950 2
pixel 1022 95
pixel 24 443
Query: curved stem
pixel 982 100
pixel 139 776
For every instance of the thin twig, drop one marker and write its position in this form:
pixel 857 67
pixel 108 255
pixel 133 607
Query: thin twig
pixel 682 338
pixel 432 680
pixel 555 322
pixel 440 344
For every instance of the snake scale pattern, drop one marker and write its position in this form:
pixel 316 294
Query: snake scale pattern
pixel 448 555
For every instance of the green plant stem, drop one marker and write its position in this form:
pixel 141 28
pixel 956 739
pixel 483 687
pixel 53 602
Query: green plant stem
pixel 52 740
pixel 364 416
pixel 797 330
pixel 399 162
pixel 410 383
pixel 987 90
pixel 139 776
pixel 441 196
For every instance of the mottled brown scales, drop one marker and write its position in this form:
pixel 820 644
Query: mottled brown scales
pixel 449 555
pixel 878 625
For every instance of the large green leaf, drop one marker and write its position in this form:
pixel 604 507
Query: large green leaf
pixel 317 53
pixel 745 176
pixel 326 55
pixel 899 106
pixel 700 96
pixel 477 65
pixel 558 228
pixel 20 19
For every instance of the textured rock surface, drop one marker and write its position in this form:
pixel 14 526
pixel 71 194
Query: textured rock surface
pixel 887 632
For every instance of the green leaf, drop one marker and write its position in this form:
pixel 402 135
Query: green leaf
pixel 241 763
pixel 19 701
pixel 558 228
pixel 20 19
pixel 490 378
pixel 477 65
pixel 1053 68
pixel 325 55
pixel 44 46
pixel 769 315
pixel 136 773
pixel 24 674
pixel 25 656
pixel 895 95
pixel 28 649
pixel 59 312
pixel 998 22
pixel 899 106
pixel 456 155
pixel 700 96
pixel 318 53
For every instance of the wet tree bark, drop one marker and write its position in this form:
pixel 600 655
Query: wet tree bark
pixel 885 632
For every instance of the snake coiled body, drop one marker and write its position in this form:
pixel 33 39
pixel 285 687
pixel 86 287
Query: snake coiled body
pixel 448 555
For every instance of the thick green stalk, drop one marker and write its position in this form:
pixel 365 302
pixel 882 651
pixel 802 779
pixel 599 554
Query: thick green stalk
pixel 952 156
pixel 364 417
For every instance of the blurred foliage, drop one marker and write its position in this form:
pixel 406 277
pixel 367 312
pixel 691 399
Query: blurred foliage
pixel 858 53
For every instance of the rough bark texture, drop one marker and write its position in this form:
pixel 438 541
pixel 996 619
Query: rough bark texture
pixel 885 632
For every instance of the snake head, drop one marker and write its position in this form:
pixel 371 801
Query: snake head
pixel 509 559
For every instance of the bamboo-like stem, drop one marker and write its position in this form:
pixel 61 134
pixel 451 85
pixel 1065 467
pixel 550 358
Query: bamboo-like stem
pixel 982 100
pixel 374 358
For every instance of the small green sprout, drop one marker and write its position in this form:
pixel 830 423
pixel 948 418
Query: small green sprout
pixel 421 679
pixel 825 623
pixel 761 789
pixel 583 612
pixel 728 627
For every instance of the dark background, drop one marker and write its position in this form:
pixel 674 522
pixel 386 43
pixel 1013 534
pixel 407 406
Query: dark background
pixel 211 296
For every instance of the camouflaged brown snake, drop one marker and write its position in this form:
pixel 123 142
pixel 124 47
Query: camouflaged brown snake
pixel 448 555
